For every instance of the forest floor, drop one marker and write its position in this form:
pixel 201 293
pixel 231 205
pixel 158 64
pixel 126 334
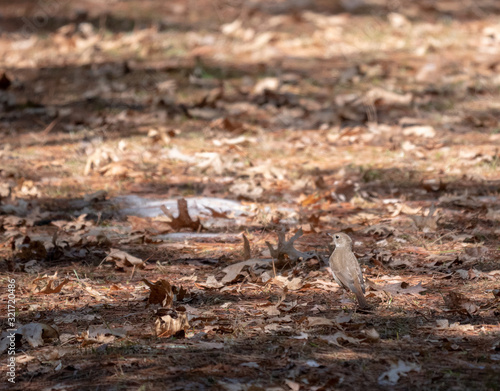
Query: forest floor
pixel 149 150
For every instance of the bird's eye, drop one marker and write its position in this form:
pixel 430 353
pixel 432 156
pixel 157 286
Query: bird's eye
pixel 337 237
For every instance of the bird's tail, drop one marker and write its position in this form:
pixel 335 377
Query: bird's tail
pixel 358 291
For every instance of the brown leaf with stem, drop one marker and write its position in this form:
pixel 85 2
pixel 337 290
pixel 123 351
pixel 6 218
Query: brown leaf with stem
pixel 184 219
pixel 123 259
pixel 48 289
pixel 246 248
pixel 234 270
pixel 165 293
pixel 161 292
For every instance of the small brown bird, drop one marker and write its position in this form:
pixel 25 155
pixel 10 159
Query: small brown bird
pixel 345 268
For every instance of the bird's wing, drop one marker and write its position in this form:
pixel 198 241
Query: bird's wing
pixel 351 272
pixel 342 277
pixel 357 272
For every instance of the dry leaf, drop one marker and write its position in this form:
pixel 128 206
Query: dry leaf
pixel 294 386
pixel 287 306
pixel 293 285
pixel 4 81
pixel 343 318
pixel 233 271
pixel 339 335
pixel 371 334
pixel 216 214
pixel 117 169
pixel 70 318
pixel 171 322
pixel 102 334
pixel 458 302
pixel 99 195
pixel 210 345
pixel 123 259
pixel 378 96
pixel 469 274
pixel 272 310
pixel 381 230
pixel 95 294
pixel 427 223
pixel 227 124
pixel 327 285
pixel 31 250
pixel 473 254
pixel 246 248
pixel 398 288
pixel 184 219
pixel 433 185
pixel 37 333
pixel 420 131
pixel 391 377
pixel 246 190
pixel 313 321
pixel 285 247
pixel 211 283
pixel 301 336
pixel 48 289
pixel 276 327
pixel 161 292
pixel 95 331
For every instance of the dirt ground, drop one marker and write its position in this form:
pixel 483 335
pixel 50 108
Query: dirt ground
pixel 157 157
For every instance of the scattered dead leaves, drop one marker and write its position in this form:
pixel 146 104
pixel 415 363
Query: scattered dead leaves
pixel 397 149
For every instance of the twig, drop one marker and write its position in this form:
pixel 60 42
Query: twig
pixel 441 237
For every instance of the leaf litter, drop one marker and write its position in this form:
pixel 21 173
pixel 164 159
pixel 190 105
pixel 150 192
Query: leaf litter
pixel 240 126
